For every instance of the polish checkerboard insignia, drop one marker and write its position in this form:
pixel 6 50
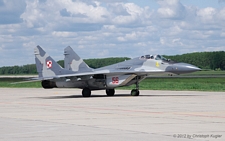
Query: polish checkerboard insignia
pixel 49 64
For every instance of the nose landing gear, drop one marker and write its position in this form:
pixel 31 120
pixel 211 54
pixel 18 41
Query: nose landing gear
pixel 135 92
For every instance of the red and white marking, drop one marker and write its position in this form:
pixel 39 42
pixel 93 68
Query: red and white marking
pixel 115 80
pixel 49 64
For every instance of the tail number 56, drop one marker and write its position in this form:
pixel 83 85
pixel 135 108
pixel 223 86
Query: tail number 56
pixel 115 80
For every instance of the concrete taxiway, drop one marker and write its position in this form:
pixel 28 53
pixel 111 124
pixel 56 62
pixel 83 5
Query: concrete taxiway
pixel 63 114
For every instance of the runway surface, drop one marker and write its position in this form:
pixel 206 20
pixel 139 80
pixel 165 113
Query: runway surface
pixel 63 114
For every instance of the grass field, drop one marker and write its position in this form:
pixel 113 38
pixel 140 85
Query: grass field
pixel 6 82
pixel 170 83
pixel 182 84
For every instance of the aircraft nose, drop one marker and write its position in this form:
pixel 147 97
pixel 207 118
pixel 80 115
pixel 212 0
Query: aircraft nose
pixel 188 67
pixel 180 68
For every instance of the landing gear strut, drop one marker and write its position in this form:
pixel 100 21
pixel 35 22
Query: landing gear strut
pixel 110 92
pixel 86 92
pixel 135 92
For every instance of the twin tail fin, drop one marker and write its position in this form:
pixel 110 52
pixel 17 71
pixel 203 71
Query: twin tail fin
pixel 46 66
pixel 73 62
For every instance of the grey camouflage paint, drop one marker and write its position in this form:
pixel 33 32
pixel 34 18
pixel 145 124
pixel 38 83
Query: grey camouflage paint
pixel 73 62
pixel 77 74
pixel 41 59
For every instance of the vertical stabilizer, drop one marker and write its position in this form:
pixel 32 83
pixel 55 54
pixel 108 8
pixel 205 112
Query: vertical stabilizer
pixel 46 66
pixel 73 62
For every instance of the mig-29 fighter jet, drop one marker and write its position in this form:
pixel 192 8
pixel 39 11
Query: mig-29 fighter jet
pixel 77 74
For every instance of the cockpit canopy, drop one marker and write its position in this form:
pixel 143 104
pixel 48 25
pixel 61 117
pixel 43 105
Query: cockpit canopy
pixel 156 57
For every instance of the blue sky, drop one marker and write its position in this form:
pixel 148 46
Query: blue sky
pixel 109 28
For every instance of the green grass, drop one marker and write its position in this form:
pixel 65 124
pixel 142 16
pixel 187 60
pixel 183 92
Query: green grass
pixel 189 84
pixel 170 83
pixel 205 73
pixel 6 82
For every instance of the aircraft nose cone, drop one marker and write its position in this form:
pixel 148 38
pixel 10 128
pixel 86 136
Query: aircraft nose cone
pixel 188 67
pixel 179 68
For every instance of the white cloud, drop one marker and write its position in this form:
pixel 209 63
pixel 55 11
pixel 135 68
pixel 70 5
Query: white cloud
pixel 121 39
pixel 103 53
pixel 171 9
pixel 28 45
pixel 221 14
pixel 64 34
pixel 207 14
pixel 162 41
pixel 129 14
pixel 222 34
pixel 102 28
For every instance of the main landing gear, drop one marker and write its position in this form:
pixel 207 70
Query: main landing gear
pixel 110 92
pixel 86 92
pixel 135 92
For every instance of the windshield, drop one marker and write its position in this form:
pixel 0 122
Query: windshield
pixel 156 57
pixel 147 57
pixel 159 57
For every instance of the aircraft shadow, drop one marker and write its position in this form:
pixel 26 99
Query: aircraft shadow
pixel 116 95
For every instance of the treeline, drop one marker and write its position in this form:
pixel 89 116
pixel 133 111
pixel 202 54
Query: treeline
pixel 31 68
pixel 97 63
pixel 204 60
pixel 25 69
